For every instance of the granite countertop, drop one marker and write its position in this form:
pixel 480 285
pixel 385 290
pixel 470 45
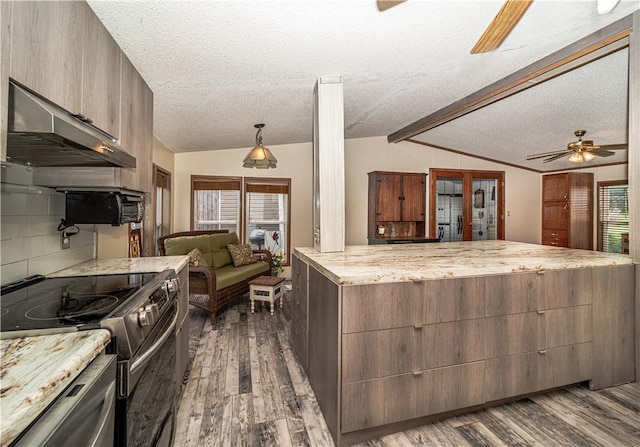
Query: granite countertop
pixel 125 265
pixel 367 264
pixel 35 370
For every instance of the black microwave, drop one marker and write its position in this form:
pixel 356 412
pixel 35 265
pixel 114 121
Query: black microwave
pixel 103 207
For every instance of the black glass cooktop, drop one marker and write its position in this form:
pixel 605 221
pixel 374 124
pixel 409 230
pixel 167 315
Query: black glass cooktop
pixel 79 301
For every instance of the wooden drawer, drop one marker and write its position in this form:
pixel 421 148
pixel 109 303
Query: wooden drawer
pixel 374 354
pixel 299 343
pixel 555 234
pixel 568 326
pixel 535 371
pixel 556 242
pixel 386 400
pixel 515 334
pixel 514 293
pixel 386 306
pixel 533 331
pixel 565 288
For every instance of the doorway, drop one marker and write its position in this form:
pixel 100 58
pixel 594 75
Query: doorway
pixel 161 205
pixel 466 205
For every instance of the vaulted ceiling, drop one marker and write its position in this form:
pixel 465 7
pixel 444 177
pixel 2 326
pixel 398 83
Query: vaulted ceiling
pixel 218 67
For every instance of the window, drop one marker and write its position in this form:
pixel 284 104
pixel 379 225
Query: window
pixel 267 215
pixel 613 215
pixel 261 219
pixel 216 203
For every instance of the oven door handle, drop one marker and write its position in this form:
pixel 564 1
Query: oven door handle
pixel 140 362
pixel 105 415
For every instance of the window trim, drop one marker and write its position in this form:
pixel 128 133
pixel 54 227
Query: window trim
pixel 273 185
pixel 599 240
pixel 227 181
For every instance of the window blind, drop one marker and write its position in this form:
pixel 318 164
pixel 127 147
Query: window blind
pixel 613 215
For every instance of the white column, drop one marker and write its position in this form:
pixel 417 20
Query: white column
pixel 328 165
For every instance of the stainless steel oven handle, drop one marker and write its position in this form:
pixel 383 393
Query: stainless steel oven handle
pixel 105 414
pixel 157 345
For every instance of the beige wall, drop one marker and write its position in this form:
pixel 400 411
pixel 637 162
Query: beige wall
pixel 162 156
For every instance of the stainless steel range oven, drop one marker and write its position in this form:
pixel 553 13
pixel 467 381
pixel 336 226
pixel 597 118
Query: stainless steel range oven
pixel 140 311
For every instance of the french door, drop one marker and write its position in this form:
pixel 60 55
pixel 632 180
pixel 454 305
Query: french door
pixel 466 205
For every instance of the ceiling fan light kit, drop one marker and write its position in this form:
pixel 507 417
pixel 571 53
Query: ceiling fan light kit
pixel 579 151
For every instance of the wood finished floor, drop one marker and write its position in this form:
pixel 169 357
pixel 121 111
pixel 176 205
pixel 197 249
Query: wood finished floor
pixel 246 388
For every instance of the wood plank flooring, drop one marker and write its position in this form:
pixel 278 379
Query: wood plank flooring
pixel 246 388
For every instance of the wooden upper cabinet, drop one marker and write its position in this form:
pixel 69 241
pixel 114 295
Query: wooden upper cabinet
pixel 567 210
pixel 46 49
pixel 398 200
pixel 100 76
pixel 61 51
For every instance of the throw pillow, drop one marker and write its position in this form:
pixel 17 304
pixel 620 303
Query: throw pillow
pixel 196 258
pixel 241 254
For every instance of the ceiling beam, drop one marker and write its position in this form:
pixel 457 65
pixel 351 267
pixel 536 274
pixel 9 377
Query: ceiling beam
pixel 595 46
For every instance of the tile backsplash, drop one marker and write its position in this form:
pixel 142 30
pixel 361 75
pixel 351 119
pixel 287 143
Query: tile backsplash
pixel 29 237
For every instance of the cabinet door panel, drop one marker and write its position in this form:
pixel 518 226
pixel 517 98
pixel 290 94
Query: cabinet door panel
pixel 555 216
pixel 391 399
pixel 46 49
pixel 567 365
pixel 414 197
pixel 299 286
pixel 389 192
pixel 100 76
pixel 555 187
pixel 457 299
pixel 386 306
pixel 515 334
pixel 514 293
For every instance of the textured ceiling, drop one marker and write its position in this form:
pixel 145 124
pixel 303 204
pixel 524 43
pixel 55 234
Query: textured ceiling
pixel 218 67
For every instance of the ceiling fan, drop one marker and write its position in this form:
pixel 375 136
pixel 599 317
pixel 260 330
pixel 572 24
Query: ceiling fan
pixel 579 151
pixel 502 24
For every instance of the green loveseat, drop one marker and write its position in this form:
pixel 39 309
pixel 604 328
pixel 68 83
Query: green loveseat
pixel 213 287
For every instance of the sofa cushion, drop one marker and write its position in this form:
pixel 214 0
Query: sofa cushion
pixel 182 245
pixel 241 254
pixel 218 246
pixel 196 258
pixel 229 275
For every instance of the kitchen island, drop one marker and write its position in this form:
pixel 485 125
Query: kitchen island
pixel 396 336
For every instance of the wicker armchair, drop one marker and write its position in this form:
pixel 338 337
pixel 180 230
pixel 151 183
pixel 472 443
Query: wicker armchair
pixel 203 290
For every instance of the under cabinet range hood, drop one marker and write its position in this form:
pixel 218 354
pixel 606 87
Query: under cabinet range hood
pixel 43 134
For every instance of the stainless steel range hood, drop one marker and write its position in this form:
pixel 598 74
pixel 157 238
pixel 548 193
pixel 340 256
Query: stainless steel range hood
pixel 43 134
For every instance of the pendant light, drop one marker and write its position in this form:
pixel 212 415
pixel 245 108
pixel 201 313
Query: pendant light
pixel 260 157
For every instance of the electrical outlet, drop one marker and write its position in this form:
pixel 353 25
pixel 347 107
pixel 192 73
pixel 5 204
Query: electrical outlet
pixel 65 242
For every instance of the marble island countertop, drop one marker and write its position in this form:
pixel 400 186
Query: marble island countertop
pixel 125 265
pixel 366 264
pixel 35 370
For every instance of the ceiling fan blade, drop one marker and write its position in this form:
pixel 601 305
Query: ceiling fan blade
pixel 502 24
pixel 555 157
pixel 614 147
pixel 546 154
pixel 602 153
pixel 383 5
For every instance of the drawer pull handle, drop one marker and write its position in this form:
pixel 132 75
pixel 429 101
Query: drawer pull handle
pixel 416 373
pixel 418 326
pixel 541 312
pixel 543 352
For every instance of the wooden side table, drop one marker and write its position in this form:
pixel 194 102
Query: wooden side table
pixel 265 288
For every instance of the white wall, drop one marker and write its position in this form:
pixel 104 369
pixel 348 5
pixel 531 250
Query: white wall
pixel 29 239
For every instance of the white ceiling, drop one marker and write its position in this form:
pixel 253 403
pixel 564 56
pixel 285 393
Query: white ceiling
pixel 218 67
